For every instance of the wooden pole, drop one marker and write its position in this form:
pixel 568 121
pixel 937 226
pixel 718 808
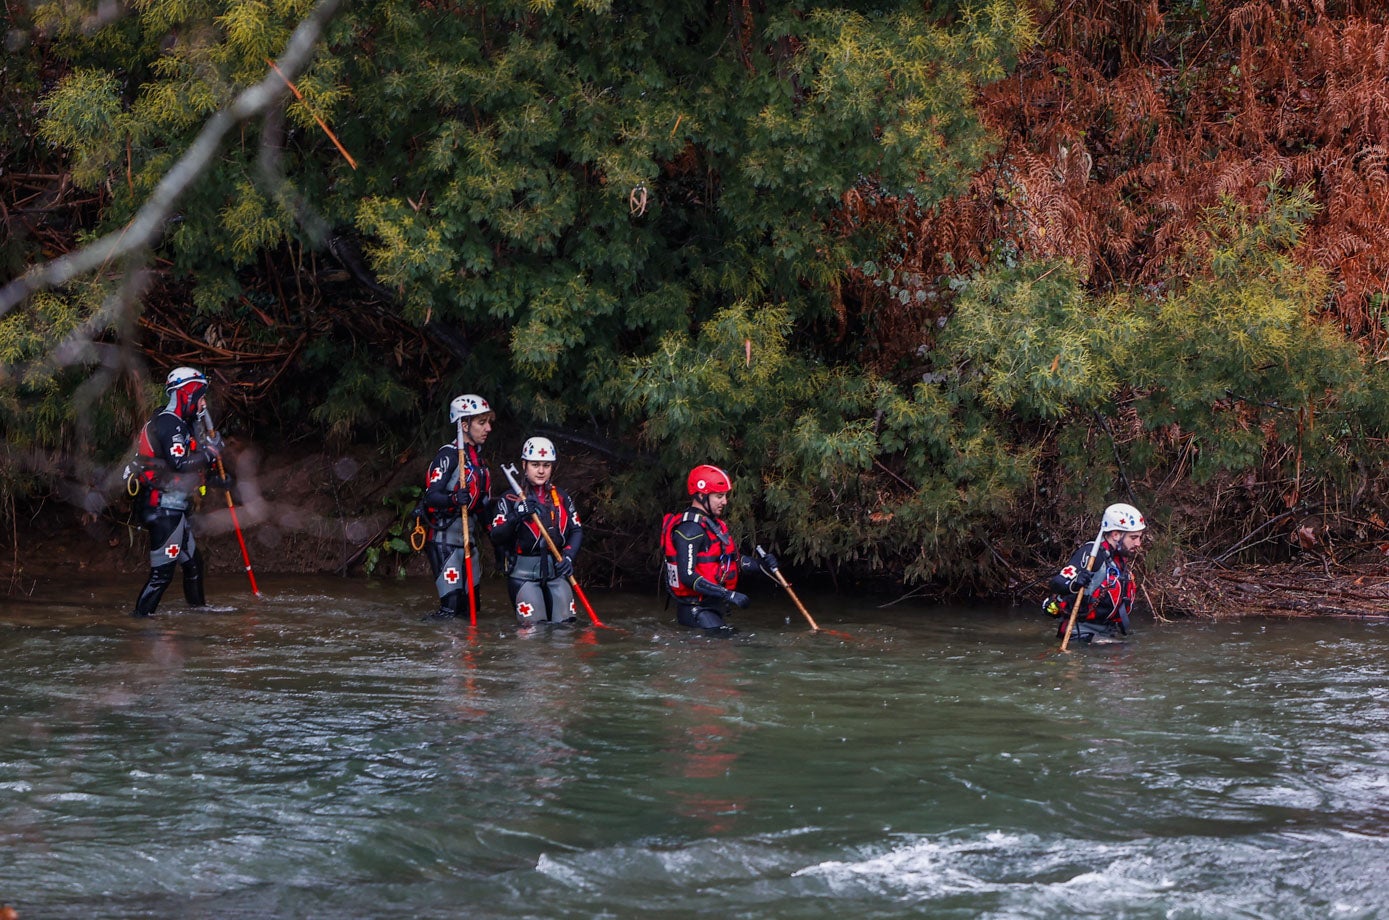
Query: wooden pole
pixel 510 472
pixel 781 580
pixel 1075 601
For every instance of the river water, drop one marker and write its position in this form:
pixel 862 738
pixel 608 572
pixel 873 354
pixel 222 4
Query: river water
pixel 324 753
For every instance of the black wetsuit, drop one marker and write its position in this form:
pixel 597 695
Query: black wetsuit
pixel 450 490
pixel 702 565
pixel 1105 603
pixel 171 468
pixel 537 591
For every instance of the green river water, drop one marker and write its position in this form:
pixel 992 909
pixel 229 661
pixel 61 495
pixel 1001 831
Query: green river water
pixel 324 753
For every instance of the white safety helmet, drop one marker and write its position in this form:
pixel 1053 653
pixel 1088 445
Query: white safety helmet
pixel 186 387
pixel 1123 517
pixel 467 406
pixel 180 377
pixel 539 449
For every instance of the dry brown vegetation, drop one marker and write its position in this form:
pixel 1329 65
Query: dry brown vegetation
pixel 1133 119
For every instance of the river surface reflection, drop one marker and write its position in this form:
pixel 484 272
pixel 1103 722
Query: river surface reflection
pixel 325 753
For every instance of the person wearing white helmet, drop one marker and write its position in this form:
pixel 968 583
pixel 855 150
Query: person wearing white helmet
pixel 457 483
pixel 538 583
pixel 170 467
pixel 1100 574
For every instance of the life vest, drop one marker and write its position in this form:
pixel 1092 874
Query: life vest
pixel 441 517
pixel 554 512
pixel 1112 599
pixel 1108 599
pixel 146 468
pixel 481 486
pixel 157 483
pixel 717 562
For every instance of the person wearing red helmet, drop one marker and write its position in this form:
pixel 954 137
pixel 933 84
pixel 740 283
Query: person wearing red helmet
pixel 702 561
pixel 170 467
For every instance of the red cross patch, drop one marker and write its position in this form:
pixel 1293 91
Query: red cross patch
pixel 435 474
pixel 177 449
pixel 499 520
pixel 1068 572
pixel 172 550
pixel 451 575
pixel 524 609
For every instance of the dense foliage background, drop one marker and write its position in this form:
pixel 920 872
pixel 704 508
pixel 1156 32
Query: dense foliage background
pixel 936 282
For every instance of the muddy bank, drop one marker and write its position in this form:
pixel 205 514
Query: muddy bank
pixel 306 512
pixel 322 513
pixel 311 512
pixel 1313 588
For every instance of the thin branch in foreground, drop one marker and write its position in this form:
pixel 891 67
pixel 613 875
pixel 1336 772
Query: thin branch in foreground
pixel 145 228
pixel 321 123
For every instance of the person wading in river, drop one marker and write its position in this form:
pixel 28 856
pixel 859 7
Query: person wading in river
pixel 537 581
pixel 1104 582
pixel 458 483
pixel 170 467
pixel 701 560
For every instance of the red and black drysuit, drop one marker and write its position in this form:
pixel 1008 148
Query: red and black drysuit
pixel 537 582
pixel 450 490
pixel 702 564
pixel 170 467
pixel 1105 603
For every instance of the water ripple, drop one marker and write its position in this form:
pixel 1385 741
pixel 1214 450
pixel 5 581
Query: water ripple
pixel 327 754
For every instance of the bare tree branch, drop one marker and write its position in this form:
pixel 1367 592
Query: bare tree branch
pixel 144 230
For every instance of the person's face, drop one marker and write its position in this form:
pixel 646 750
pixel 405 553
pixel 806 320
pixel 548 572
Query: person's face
pixel 717 503
pixel 537 471
pixel 1129 543
pixel 477 428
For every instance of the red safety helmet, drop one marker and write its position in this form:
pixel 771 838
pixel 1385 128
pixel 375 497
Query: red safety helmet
pixel 708 479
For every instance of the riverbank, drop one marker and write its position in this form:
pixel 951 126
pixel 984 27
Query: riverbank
pixel 324 513
pixel 1310 589
pixel 308 512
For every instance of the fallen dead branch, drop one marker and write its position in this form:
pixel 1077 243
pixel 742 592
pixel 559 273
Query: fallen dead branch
pixel 1205 589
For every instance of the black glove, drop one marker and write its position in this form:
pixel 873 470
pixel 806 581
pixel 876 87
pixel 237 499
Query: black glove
pixel 769 563
pixel 1081 580
pixel 212 454
pixel 738 599
pixel 462 494
pixel 564 567
pixel 218 481
pixel 521 508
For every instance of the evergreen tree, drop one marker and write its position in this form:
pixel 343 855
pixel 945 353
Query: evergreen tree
pixel 687 227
